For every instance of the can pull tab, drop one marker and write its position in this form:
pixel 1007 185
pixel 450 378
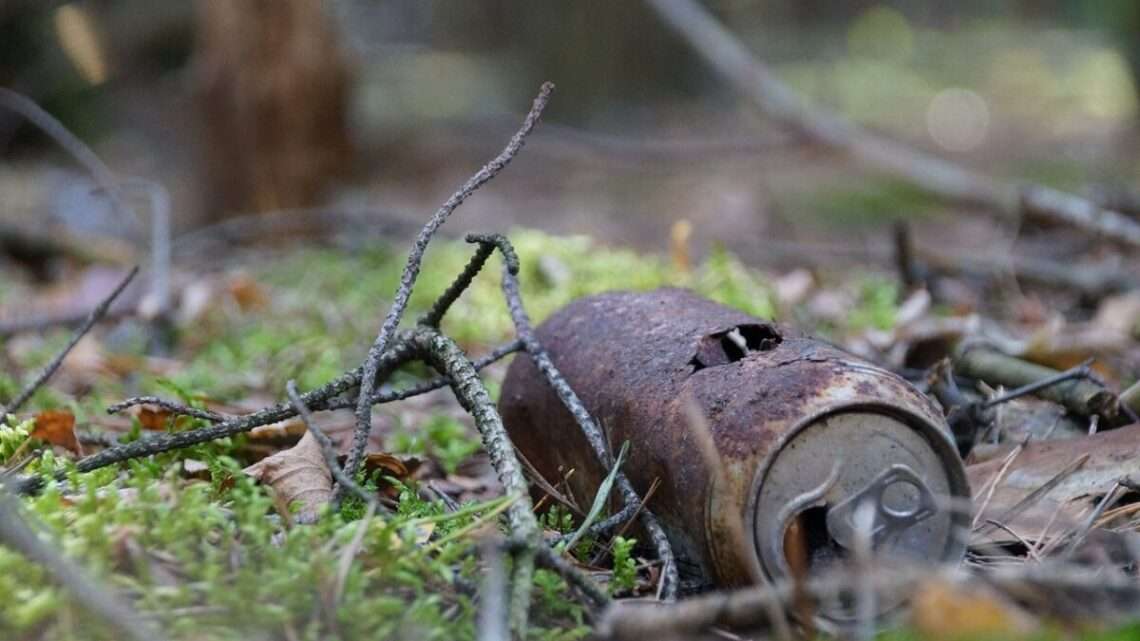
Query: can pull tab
pixel 901 500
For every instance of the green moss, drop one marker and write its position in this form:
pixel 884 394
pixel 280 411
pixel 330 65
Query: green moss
pixel 870 202
pixel 210 558
pixel 877 305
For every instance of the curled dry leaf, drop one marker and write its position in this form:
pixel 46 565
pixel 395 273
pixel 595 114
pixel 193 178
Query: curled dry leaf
pixel 298 475
pixel 152 417
pixel 390 465
pixel 57 427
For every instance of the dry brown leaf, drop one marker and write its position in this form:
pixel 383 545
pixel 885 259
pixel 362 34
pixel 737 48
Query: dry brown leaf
pixel 288 428
pixel 151 417
pixel 1111 456
pixel 945 610
pixel 247 293
pixel 387 464
pixel 399 468
pixel 298 475
pixel 57 427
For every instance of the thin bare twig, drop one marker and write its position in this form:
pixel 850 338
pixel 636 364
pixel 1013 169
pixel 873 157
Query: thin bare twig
pixel 1080 371
pixel 731 59
pixel 323 403
pixel 170 406
pixel 326 445
pixel 17 534
pixel 160 240
pixel 493 625
pixel 400 353
pixel 51 368
pixel 412 270
pixel 551 560
pixel 486 246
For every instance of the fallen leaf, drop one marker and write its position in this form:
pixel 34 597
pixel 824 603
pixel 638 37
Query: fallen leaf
pixel 943 609
pixel 400 468
pixel 1108 456
pixel 298 475
pixel 152 417
pixel 57 427
pixel 386 463
pixel 246 292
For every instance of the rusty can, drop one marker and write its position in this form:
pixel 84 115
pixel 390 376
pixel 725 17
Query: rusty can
pixel 802 433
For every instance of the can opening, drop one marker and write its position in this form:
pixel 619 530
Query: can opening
pixel 808 546
pixel 732 345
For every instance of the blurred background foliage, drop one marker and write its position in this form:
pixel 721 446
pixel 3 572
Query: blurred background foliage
pixel 268 105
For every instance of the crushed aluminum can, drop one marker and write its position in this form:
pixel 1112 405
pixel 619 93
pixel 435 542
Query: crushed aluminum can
pixel 801 432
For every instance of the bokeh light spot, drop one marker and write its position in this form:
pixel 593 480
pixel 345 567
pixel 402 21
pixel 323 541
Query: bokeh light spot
pixel 957 119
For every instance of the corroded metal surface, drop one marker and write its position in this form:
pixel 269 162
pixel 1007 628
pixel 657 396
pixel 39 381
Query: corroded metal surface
pixel 783 413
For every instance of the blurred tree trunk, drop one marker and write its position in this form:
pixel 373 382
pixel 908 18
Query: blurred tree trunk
pixel 272 87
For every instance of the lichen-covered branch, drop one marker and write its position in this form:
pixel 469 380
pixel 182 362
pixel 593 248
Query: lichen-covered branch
pixel 174 407
pixel 400 353
pixel 445 356
pixel 412 270
pixel 380 398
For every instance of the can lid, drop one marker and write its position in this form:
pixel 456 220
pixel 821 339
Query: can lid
pixel 811 495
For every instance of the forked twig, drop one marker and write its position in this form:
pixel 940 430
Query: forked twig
pixel 486 246
pixel 398 355
pixel 171 406
pixel 412 269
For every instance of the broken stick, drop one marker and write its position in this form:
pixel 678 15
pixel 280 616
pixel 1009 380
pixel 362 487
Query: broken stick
pixel 1079 395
